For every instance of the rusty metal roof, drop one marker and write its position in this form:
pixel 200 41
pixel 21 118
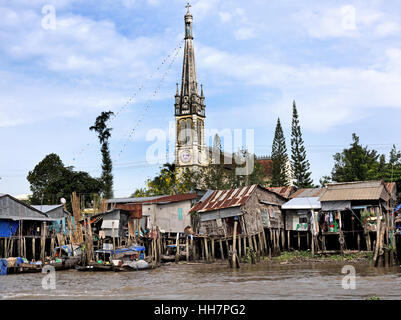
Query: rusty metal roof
pixel 222 199
pixel 283 191
pixel 172 198
pixel 366 190
pixel 307 192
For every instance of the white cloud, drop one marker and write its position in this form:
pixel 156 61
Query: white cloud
pixel 244 33
pixel 387 28
pixel 330 96
pixel 225 16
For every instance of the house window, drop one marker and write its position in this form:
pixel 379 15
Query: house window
pixel 180 214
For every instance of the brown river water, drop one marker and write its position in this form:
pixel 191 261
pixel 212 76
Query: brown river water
pixel 213 281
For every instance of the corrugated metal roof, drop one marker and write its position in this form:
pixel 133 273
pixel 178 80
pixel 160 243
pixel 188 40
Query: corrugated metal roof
pixel 283 191
pixel 307 192
pixel 172 198
pixel 369 190
pixel 221 199
pixel 47 208
pixel 302 203
pixel 133 200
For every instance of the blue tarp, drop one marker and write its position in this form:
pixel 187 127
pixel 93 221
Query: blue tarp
pixel 397 208
pixel 8 228
pixel 3 267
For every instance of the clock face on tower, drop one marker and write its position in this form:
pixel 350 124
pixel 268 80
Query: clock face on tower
pixel 185 156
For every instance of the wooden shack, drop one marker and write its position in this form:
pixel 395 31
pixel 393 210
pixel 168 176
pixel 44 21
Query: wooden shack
pixel 350 213
pixel 253 209
pixel 301 218
pixel 23 229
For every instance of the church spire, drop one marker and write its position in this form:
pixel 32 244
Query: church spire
pixel 189 84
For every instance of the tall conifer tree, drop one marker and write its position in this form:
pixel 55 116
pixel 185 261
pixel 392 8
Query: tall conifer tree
pixel 280 158
pixel 300 164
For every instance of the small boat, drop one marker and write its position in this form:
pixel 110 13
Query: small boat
pixel 122 259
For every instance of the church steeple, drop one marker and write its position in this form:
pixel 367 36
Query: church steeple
pixel 189 101
pixel 189 108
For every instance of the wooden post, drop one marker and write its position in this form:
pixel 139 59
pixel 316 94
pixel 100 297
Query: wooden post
pixel 51 246
pixel 206 250
pixel 307 240
pixel 262 250
pixel 359 241
pixel 264 241
pixel 376 249
pixel 299 241
pixel 159 245
pixel 192 248
pixel 313 244
pixel 235 258
pixel 288 240
pixel 33 249
pixel 177 246
pixel 202 249
pixel 5 255
pixel 112 234
pixel 43 243
pixel 212 244
pixel 221 249
pixel 239 247
pixel 187 248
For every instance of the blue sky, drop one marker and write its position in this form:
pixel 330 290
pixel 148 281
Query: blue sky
pixel 340 61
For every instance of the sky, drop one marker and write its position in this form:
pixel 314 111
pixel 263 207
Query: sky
pixel 63 62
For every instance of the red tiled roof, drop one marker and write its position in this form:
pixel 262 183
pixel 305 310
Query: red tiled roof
pixel 283 191
pixel 173 198
pixel 221 199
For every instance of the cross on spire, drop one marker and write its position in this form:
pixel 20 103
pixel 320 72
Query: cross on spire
pixel 188 6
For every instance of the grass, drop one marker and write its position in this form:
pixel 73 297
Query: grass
pixel 306 255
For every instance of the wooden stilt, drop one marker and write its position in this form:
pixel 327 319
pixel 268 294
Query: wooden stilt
pixel 212 244
pixel 33 249
pixel 299 241
pixel 206 250
pixel 288 240
pixel 187 248
pixel 264 242
pixel 307 240
pixel 177 246
pixel 359 241
pixel 221 249
pixel 262 250
pixel 203 249
pixel 51 246
pixel 282 239
pixel 239 247
pixel 234 256
pixel 43 242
